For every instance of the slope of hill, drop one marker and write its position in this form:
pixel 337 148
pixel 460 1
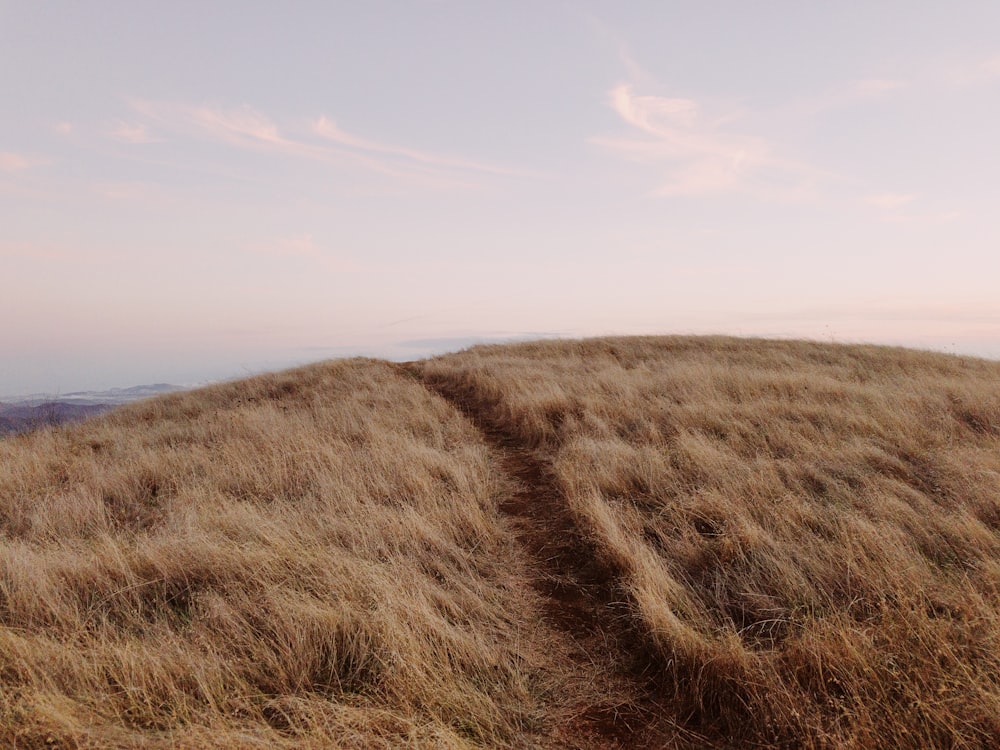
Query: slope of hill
pixel 807 536
pixel 292 560
pixel 680 542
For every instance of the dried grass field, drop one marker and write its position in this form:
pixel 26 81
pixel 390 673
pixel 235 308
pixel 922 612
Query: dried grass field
pixel 634 542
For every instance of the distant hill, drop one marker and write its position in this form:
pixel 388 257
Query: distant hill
pixel 29 412
pixel 21 417
pixel 678 542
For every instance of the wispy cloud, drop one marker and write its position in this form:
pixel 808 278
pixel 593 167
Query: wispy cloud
pixel 305 247
pixel 246 128
pixel 321 141
pixel 991 67
pixel 904 208
pixel 12 162
pixel 861 92
pixel 923 218
pixel 125 190
pixel 615 42
pixel 889 201
pixel 243 127
pixel 128 132
pixel 702 153
pixel 970 72
pixel 933 74
pixel 329 130
pixel 296 246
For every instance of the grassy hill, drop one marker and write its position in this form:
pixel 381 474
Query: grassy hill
pixel 634 542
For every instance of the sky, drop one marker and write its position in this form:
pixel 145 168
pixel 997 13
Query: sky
pixel 192 191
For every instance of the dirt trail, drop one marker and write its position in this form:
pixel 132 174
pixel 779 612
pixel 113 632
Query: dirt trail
pixel 581 602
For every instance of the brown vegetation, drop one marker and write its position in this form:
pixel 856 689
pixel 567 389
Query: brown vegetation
pixel 808 535
pixel 669 541
pixel 313 558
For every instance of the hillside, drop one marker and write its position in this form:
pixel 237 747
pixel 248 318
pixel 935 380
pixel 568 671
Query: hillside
pixel 638 542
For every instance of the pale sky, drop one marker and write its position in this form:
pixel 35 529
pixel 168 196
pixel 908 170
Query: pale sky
pixel 200 190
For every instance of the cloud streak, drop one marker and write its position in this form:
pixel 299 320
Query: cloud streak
pixel 304 247
pixel 991 67
pixel 978 72
pixel 898 208
pixel 329 130
pixel 850 94
pixel 132 133
pixel 701 154
pixel 323 141
pixel 889 201
pixel 12 162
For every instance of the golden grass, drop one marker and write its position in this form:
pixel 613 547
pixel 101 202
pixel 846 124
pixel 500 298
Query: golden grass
pixel 808 535
pixel 801 540
pixel 307 559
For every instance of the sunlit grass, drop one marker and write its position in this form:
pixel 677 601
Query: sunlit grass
pixel 808 535
pixel 804 538
pixel 294 560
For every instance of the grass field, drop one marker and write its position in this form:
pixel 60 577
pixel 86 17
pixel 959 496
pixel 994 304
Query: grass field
pixel 612 542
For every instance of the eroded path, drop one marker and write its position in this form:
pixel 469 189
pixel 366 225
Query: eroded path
pixel 582 603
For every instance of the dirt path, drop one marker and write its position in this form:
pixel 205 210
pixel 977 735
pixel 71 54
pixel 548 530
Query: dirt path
pixel 581 602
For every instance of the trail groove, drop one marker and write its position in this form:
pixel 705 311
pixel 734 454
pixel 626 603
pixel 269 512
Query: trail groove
pixel 582 604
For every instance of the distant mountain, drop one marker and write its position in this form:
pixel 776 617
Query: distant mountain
pixel 113 396
pixel 21 417
pixel 38 410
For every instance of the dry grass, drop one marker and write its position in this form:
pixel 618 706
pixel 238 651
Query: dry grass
pixel 312 558
pixel 808 535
